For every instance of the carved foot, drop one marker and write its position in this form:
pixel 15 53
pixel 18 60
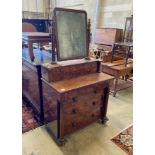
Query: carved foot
pixel 61 142
pixel 103 121
pixel 114 94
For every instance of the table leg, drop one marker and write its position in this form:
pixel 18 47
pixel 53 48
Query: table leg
pixel 30 47
pixel 126 77
pixel 115 87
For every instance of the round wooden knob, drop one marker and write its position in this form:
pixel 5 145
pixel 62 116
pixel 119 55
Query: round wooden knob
pixel 92 115
pixel 73 124
pixel 95 91
pixel 60 70
pixel 74 111
pixel 74 99
pixel 94 103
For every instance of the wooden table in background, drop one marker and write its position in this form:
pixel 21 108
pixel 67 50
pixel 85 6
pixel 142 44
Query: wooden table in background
pixel 35 37
pixel 117 69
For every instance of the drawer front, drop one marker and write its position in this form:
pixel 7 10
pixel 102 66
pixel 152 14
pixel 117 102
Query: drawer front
pixel 90 92
pixel 83 104
pixel 83 111
pixel 68 72
pixel 109 70
pixel 78 121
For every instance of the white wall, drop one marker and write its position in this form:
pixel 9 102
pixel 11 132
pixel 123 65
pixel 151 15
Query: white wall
pixel 35 8
pixel 113 13
pixel 110 13
pixel 88 5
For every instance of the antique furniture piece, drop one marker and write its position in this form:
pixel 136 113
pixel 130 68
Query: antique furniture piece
pixel 118 69
pixel 108 36
pixel 128 46
pixel 128 30
pixel 35 37
pixel 27 27
pixel 75 87
pixel 80 93
pixel 117 49
pixel 104 39
pixel 31 79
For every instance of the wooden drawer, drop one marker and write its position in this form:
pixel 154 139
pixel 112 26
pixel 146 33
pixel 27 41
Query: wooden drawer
pixel 89 91
pixel 109 70
pixel 81 120
pixel 85 110
pixel 83 103
pixel 53 74
pixel 118 70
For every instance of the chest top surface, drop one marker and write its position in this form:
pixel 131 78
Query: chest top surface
pixel 79 82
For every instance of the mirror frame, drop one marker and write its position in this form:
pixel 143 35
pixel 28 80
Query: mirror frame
pixel 56 33
pixel 128 30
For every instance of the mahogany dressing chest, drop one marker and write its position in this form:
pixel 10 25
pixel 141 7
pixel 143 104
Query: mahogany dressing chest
pixel 80 93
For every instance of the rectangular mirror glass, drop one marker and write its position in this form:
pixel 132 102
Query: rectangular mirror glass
pixel 71 33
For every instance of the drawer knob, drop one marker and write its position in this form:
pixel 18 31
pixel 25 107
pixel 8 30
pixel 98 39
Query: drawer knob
pixel 95 91
pixel 92 115
pixel 94 103
pixel 73 124
pixel 74 99
pixel 89 70
pixel 74 111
